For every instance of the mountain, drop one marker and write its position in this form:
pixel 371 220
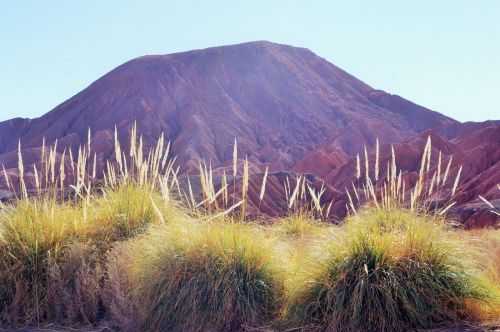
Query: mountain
pixel 289 108
pixel 279 101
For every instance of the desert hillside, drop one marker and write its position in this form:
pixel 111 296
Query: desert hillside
pixel 289 109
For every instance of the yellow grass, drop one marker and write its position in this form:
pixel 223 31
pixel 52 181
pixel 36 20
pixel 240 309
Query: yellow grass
pixel 154 254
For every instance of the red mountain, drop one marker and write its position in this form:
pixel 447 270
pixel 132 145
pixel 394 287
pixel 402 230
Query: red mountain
pixel 288 107
pixel 279 101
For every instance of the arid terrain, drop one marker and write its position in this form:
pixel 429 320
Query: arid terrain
pixel 247 188
pixel 290 110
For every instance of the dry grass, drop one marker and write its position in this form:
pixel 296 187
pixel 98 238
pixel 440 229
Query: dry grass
pixel 300 226
pixel 486 244
pixel 122 213
pixel 52 243
pixel 394 190
pixel 391 271
pixel 218 277
pixel 49 269
pixel 151 255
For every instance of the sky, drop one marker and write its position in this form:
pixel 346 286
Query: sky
pixel 444 55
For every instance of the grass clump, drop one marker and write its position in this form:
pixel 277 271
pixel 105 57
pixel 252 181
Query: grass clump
pixel 299 226
pixel 488 241
pixel 487 253
pixel 52 252
pixel 123 212
pixel 207 277
pixel 127 250
pixel 394 271
pixel 35 236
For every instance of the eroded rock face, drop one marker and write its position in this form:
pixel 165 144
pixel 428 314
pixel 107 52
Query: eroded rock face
pixel 289 108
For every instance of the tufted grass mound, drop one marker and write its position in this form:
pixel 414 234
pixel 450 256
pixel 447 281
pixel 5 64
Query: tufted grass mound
pixel 52 252
pixel 122 212
pixel 205 277
pixel 39 275
pixel 393 271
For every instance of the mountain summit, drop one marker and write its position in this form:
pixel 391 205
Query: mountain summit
pixel 279 101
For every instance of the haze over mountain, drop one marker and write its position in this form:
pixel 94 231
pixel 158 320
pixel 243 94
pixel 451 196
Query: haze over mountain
pixel 288 107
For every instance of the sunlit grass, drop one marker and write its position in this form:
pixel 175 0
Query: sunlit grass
pixel 123 212
pixel 392 271
pixel 34 237
pixel 205 277
pixel 141 250
pixel 299 226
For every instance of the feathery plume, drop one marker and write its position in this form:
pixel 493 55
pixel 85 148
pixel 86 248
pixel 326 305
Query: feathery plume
pixel 263 186
pixel 6 177
pixel 20 166
pixel 377 160
pixel 235 158
pixel 351 204
pixel 244 188
pixel 367 165
pixel 446 172
pixel 457 179
pixel 358 167
pixel 486 202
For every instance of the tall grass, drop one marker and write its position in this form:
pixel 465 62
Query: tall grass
pixel 493 209
pixel 486 253
pixel 299 226
pixel 431 193
pixel 35 236
pixel 135 246
pixel 123 213
pixel 393 271
pixel 42 278
pixel 304 200
pixel 212 277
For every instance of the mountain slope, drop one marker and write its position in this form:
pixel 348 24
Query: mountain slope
pixel 279 101
pixel 288 108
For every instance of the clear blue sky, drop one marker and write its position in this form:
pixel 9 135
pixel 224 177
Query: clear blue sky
pixel 444 55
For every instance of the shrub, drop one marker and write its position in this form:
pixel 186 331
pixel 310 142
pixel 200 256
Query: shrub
pixel 216 277
pixel 394 271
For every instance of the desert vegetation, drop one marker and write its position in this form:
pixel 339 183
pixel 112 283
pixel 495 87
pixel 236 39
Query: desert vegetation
pixel 140 249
